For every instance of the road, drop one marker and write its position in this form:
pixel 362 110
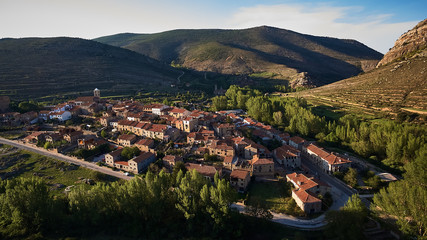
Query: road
pixel 64 158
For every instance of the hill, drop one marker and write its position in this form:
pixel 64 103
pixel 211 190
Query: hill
pixel 266 52
pixel 34 67
pixel 399 81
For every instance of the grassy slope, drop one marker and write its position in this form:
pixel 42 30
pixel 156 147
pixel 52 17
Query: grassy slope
pixel 28 164
pixel 33 67
pixel 388 88
pixel 261 49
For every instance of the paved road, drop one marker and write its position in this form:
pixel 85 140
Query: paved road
pixel 64 158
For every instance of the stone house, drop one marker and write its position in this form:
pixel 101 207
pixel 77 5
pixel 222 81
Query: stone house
pixel 262 167
pixel 169 161
pixel 287 156
pixel 240 179
pixel 126 140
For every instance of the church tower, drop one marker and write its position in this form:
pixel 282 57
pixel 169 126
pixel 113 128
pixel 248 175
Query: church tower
pixel 97 93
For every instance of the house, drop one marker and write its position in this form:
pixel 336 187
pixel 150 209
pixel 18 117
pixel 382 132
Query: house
pixel 169 161
pixel 240 179
pixel 207 171
pixel 256 149
pixel 287 156
pixel 222 150
pixel 60 116
pixel 297 142
pixel 262 167
pixel 156 131
pixel 179 112
pixel 328 162
pixel 230 162
pixel 35 137
pixel 141 162
pixel 53 137
pixel 224 129
pixel 189 124
pixel 145 145
pixel 112 157
pixel 90 143
pixel 72 137
pixel 307 201
pixel 306 192
pixel 126 139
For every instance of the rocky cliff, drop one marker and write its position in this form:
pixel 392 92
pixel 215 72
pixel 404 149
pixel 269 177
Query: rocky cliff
pixel 408 44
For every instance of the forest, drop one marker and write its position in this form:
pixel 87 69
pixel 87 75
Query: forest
pixel 384 142
pixel 155 207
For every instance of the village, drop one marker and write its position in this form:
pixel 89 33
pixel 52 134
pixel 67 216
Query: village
pixel 227 143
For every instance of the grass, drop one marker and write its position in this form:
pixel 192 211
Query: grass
pixel 275 196
pixel 28 164
pixel 12 135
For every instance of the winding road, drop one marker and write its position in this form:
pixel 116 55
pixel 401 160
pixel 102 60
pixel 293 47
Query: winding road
pixel 64 158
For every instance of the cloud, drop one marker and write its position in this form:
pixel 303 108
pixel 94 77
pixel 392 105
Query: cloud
pixel 372 30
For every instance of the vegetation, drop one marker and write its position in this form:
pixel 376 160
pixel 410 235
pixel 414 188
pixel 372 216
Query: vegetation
pixel 383 141
pixel 347 223
pixel 261 52
pixel 130 152
pixel 79 65
pixel 406 200
pixel 86 153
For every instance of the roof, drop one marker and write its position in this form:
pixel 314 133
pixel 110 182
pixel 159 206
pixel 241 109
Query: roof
pixel 172 158
pixel 239 173
pixel 116 152
pixel 286 151
pixel 202 169
pixel 178 110
pixel 145 142
pixel 334 159
pixel 329 157
pixel 261 161
pixel 297 140
pixel 228 159
pixel 122 163
pixel 126 137
pixel 157 128
pixel 305 196
pixel 226 125
pixel 142 157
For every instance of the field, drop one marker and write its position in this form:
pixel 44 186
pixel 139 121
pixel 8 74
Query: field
pixel 58 175
pixel 275 196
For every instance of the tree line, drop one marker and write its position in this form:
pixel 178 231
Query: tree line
pixel 388 142
pixel 158 206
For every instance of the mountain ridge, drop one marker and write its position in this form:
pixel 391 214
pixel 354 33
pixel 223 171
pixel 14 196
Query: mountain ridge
pixel 283 53
pixel 44 66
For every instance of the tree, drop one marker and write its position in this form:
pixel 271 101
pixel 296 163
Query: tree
pixel 104 133
pixel 130 152
pixel 351 177
pixel 278 118
pixel 47 145
pixel 347 223
pixel 26 206
pixel 407 199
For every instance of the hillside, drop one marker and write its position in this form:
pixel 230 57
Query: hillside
pixel 34 67
pixel 398 83
pixel 264 51
pixel 412 42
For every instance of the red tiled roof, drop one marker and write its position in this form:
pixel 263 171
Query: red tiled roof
pixel 305 196
pixel 126 137
pixel 297 140
pixel 122 163
pixel 261 161
pixel 202 169
pixel 116 152
pixel 239 173
pixel 286 151
pixel 228 159
pixel 142 157
pixel 172 158
pixel 145 142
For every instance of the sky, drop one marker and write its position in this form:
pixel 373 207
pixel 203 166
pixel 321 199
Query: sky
pixel 376 23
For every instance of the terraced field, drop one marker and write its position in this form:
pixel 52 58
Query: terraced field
pixel 399 85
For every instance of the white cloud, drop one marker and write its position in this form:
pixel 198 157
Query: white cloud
pixel 373 31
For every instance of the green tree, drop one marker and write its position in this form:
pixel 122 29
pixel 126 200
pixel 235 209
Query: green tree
pixel 407 199
pixel 347 223
pixel 26 207
pixel 130 152
pixel 351 177
pixel 104 134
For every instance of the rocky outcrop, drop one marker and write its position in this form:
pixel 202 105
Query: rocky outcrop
pixel 407 44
